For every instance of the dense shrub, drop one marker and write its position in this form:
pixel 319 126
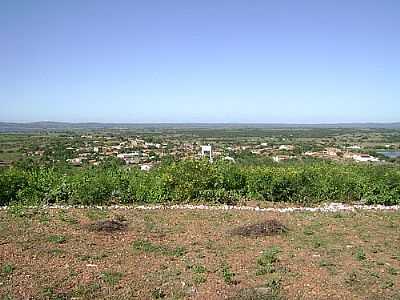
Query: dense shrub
pixel 189 180
pixel 11 182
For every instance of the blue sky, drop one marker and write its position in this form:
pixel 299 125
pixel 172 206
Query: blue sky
pixel 200 61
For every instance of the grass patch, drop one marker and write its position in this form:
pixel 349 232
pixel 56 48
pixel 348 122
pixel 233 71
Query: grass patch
pixel 158 294
pixel 67 218
pixel 266 262
pixel 96 214
pixel 88 291
pixel 111 278
pixel 148 247
pixel 7 269
pixel 360 255
pixel 56 252
pixel 57 239
pixel 271 291
pixel 227 274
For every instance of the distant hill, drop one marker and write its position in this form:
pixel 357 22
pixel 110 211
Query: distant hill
pixel 63 126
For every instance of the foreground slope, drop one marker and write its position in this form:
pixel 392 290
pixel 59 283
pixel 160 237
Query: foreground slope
pixel 175 254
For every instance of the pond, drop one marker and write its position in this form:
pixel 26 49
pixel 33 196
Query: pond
pixel 390 154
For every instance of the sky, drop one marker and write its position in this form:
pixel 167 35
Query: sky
pixel 245 61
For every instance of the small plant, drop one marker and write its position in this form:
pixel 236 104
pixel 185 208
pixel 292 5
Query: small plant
pixel 50 293
pixel 308 231
pixel 360 254
pixel 317 242
pixel 388 284
pixel 146 246
pixel 87 291
pixel 96 214
pixel 44 218
pixel 111 278
pixel 266 262
pixel 7 269
pixel 65 217
pixel 199 269
pixel 393 271
pixel 326 263
pixel 158 294
pixel 56 252
pixel 57 239
pixel 271 291
pixel 17 210
pixel 352 278
pixel 227 274
pixel 199 276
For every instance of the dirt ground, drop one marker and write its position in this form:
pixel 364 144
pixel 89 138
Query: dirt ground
pixel 175 254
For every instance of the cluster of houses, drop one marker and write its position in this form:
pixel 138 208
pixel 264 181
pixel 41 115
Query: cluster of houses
pixel 137 151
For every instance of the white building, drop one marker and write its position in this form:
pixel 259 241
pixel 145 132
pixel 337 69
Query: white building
pixel 207 151
pixel 364 158
pixel 286 147
pixel 146 167
pixel 228 158
pixel 355 147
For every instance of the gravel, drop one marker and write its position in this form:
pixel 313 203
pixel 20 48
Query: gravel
pixel 330 207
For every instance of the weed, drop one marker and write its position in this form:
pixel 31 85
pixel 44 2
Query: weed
pixel 111 278
pixel 96 214
pixel 266 262
pixel 352 278
pixel 326 263
pixel 93 257
pixel 57 239
pixel 227 274
pixel 17 210
pixel 199 278
pixel 146 246
pixel 308 231
pixel 388 284
pixel 56 252
pixel 7 269
pixel 360 254
pixel 87 291
pixel 393 271
pixel 199 269
pixel 65 217
pixel 158 294
pixel 270 291
pixel 49 293
pixel 317 242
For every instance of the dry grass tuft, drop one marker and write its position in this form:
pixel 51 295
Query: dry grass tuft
pixel 266 228
pixel 108 226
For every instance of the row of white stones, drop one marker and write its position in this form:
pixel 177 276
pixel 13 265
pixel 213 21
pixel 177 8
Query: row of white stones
pixel 331 207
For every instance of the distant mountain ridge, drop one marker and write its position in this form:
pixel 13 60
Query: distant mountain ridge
pixel 62 126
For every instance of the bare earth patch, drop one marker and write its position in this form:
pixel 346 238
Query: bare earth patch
pixel 192 254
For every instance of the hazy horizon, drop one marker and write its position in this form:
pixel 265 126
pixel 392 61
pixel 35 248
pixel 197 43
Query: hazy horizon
pixel 292 62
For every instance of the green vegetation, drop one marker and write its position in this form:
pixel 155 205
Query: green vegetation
pixel 146 246
pixel 266 262
pixel 190 180
pixel 111 278
pixel 227 274
pixel 57 239
pixel 7 269
pixel 360 255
